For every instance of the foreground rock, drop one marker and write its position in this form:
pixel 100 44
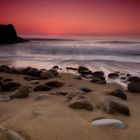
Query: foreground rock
pixel 118 93
pixel 21 93
pixel 54 84
pixel 108 122
pixel 113 75
pixel 42 88
pixel 6 134
pixel 8 35
pixel 134 79
pixel 10 86
pixel 81 102
pixel 134 87
pixel 115 105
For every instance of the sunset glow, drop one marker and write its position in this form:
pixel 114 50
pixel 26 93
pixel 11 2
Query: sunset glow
pixel 72 16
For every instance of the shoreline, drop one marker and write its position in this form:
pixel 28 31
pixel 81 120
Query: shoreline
pixel 49 105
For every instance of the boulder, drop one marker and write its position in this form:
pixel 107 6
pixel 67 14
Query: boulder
pixel 8 35
pixel 81 102
pixel 55 67
pixel 115 105
pixel 98 81
pixel 23 92
pixel 108 122
pixel 54 84
pixel 10 86
pixel 53 72
pixel 118 93
pixel 113 75
pixel 83 70
pixel 42 88
pixel 134 79
pixel 134 87
pixel 31 71
pixel 98 74
pixel 6 134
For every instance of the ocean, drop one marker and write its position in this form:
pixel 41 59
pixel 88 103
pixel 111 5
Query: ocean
pixel 98 53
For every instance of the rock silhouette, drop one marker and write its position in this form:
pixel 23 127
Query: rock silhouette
pixel 8 35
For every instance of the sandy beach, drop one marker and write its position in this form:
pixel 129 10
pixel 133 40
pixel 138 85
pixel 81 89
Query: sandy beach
pixel 46 115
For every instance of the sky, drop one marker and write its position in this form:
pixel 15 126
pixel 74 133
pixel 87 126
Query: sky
pixel 72 17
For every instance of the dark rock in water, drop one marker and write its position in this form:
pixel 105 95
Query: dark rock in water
pixel 32 71
pixel 55 67
pixel 134 79
pixel 83 70
pixel 98 74
pixel 113 75
pixel 8 80
pixel 118 93
pixel 10 86
pixel 55 84
pixel 6 69
pixel 71 68
pixel 86 89
pixel 81 102
pixel 115 105
pixel 8 35
pixel 21 93
pixel 123 78
pixel 134 87
pixel 42 88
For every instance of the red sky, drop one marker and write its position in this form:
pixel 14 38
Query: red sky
pixel 72 16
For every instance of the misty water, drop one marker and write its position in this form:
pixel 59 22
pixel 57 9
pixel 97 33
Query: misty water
pixel 97 53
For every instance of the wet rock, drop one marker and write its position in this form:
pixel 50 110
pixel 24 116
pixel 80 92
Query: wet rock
pixel 6 69
pixel 41 98
pixel 23 92
pixel 134 87
pixel 71 68
pixel 108 122
pixel 86 89
pixel 10 86
pixel 83 70
pixel 113 75
pixel 134 79
pixel 54 84
pixel 6 134
pixel 42 88
pixel 81 102
pixel 118 93
pixel 115 105
pixel 102 82
pixel 55 67
pixel 32 71
pixel 98 74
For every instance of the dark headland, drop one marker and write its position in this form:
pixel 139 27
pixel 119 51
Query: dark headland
pixel 8 35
